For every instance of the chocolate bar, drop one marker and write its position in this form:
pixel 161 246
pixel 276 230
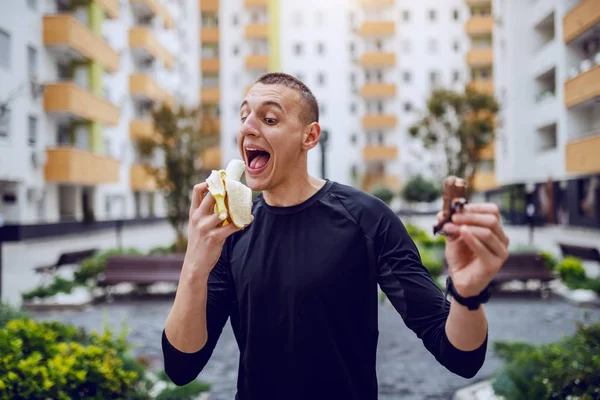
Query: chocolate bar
pixel 454 196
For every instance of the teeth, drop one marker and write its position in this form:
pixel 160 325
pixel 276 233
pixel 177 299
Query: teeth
pixel 233 198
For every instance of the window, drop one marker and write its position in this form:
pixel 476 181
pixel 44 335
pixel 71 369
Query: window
pixel 407 76
pixel 406 15
pixel 352 47
pixel 234 20
pixel 432 45
pixel 353 138
pixel 320 48
pixel 32 4
pixel 456 46
pixel 352 108
pixel 31 62
pixel 456 15
pixel 236 50
pixel 4 49
pixel 432 15
pixel 322 109
pixel 298 49
pixel 433 77
pixel 456 76
pixel 408 106
pixel 32 131
pixel 5 124
pixel 321 79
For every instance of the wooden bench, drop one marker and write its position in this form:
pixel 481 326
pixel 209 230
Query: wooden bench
pixel 141 270
pixel 582 252
pixel 522 267
pixel 73 257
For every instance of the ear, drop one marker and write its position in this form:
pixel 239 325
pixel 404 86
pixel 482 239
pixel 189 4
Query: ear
pixel 311 135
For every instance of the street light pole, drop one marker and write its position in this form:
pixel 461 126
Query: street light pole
pixel 323 141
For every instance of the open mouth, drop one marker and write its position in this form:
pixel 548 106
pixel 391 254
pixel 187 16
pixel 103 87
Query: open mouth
pixel 257 158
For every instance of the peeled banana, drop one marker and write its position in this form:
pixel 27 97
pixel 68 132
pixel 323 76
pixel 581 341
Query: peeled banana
pixel 233 198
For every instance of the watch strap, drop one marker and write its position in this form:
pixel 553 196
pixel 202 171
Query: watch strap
pixel 473 302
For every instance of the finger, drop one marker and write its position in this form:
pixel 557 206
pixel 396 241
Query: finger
pixel 197 194
pixel 208 222
pixel 484 208
pixel 479 249
pixel 487 238
pixel 440 216
pixel 490 221
pixel 224 232
pixel 207 205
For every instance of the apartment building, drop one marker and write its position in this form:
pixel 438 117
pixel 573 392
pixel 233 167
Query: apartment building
pixel 547 76
pixel 77 82
pixel 370 63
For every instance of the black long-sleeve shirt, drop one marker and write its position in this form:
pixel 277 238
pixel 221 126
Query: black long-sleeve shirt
pixel 300 287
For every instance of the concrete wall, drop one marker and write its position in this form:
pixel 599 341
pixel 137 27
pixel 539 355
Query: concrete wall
pixel 20 258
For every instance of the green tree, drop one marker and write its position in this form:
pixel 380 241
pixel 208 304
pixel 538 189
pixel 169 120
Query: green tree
pixel 419 189
pixel 459 124
pixel 180 136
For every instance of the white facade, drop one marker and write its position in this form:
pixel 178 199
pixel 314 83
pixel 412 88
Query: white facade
pixel 25 196
pixel 319 42
pixel 532 63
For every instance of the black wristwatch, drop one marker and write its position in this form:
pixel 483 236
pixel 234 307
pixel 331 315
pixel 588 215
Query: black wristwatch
pixel 473 302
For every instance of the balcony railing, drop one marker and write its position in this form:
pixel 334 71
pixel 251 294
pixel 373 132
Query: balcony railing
pixel 581 155
pixel 79 167
pixel 583 17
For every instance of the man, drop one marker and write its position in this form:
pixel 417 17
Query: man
pixel 300 282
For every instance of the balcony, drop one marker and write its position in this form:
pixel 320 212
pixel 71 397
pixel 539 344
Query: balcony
pixel 210 95
pixel 583 88
pixel 145 8
pixel 111 8
pixel 144 87
pixel 168 22
pixel 583 17
pixel 211 126
pixel 209 35
pixel 210 66
pixel 485 86
pixel 380 28
pixel 383 121
pixel 375 59
pixel 167 58
pixel 143 42
pixel 141 129
pixel 68 99
pixel 479 25
pixel 67 37
pixel 488 152
pixel 256 3
pixel 257 62
pixel 378 90
pixel 380 153
pixel 480 57
pixel 211 158
pixel 140 180
pixel 478 2
pixel 73 166
pixel 581 156
pixel 256 31
pixel 377 3
pixel 209 6
pixel 372 181
pixel 483 181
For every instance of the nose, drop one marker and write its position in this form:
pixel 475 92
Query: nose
pixel 250 126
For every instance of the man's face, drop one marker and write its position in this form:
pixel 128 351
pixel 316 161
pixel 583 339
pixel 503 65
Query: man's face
pixel 270 139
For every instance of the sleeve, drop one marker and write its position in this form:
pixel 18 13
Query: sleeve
pixel 413 293
pixel 182 368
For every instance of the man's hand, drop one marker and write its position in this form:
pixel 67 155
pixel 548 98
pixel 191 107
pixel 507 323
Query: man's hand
pixel 206 235
pixel 476 247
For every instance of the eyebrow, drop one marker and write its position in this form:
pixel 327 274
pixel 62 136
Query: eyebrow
pixel 266 103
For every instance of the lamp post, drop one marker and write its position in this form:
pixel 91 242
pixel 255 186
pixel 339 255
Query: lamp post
pixel 323 141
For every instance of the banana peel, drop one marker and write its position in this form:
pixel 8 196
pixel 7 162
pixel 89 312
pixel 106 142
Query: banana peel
pixel 233 199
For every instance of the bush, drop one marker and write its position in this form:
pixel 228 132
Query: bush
pixel 8 312
pixel 433 262
pixel 569 367
pixel 422 238
pixel 51 360
pixel 571 270
pixel 384 194
pixel 92 266
pixel 58 285
pixel 419 189
pixel 549 260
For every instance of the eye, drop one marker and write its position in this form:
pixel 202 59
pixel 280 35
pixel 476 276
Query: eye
pixel 244 118
pixel 270 121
